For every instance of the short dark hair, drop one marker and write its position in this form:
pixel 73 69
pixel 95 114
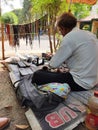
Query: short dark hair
pixel 67 20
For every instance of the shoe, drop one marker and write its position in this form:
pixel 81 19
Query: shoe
pixel 4 122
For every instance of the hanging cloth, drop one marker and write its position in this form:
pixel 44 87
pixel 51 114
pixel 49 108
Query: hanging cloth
pixel 21 31
pixel 37 30
pixel 28 33
pixel 9 32
pixel 33 29
pixel 16 36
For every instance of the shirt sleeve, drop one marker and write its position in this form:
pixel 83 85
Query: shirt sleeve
pixel 62 54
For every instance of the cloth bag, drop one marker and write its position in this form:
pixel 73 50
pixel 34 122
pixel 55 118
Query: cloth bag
pixel 32 96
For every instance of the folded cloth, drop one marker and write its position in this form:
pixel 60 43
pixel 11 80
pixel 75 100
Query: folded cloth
pixel 61 89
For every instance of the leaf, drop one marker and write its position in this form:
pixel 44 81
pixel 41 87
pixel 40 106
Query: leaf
pixel 22 127
pixel 8 107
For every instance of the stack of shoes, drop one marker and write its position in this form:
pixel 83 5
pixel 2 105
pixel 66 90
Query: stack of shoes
pixel 4 122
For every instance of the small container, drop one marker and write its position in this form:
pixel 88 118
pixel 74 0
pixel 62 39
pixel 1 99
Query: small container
pixel 93 103
pixel 91 119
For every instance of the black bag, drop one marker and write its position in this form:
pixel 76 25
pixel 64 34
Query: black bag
pixel 31 96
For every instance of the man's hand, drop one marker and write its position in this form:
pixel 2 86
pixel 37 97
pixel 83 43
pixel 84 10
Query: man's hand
pixel 62 69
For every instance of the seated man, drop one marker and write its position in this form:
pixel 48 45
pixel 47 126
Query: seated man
pixel 78 50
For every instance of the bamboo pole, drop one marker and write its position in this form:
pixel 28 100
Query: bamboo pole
pixel 2 35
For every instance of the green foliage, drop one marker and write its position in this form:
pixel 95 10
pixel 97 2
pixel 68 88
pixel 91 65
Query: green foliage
pixel 80 10
pixel 35 9
pixel 18 13
pixel 63 7
pixel 9 18
pixel 59 6
pixel 86 27
pixel 26 11
pixel 51 7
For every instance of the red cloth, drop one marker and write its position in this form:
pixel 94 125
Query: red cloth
pixel 9 34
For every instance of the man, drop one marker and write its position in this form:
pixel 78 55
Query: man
pixel 78 50
pixel 4 122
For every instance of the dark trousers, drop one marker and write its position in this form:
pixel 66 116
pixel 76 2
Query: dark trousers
pixel 43 77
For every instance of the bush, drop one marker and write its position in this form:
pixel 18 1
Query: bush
pixel 9 18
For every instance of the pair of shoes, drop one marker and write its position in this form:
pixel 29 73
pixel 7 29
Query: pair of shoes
pixel 4 122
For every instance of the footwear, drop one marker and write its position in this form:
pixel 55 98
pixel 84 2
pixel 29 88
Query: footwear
pixel 4 122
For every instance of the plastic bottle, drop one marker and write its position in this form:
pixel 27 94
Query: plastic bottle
pixel 91 119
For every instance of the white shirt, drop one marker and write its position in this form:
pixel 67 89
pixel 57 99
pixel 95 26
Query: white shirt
pixel 79 50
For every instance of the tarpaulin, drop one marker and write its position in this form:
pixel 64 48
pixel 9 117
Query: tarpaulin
pixel 90 2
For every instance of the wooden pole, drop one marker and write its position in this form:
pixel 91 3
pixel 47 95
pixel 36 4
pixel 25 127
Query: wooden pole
pixel 69 9
pixel 2 35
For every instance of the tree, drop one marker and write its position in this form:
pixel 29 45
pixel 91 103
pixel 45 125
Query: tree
pixel 53 8
pixel 80 10
pixel 19 14
pixel 35 9
pixel 26 11
pixel 9 18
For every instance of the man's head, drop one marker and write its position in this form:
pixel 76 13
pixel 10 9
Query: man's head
pixel 66 22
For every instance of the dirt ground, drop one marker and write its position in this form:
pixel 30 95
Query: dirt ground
pixel 9 105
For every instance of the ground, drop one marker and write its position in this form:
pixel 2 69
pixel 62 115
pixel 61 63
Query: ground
pixel 9 105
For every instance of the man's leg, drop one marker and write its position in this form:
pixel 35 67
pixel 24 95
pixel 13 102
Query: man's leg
pixel 43 77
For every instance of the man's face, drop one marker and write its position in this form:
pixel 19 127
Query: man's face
pixel 63 31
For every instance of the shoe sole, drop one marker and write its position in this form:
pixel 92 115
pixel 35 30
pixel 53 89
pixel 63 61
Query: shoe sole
pixel 2 128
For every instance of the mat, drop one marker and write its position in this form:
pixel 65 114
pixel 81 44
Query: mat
pixel 67 115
